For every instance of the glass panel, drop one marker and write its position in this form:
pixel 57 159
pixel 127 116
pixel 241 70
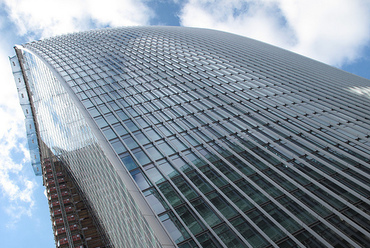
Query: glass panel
pixel 199 181
pixel 228 237
pixel 100 122
pixel 141 157
pixel 206 212
pixel 222 205
pixel 167 150
pixel 167 168
pixel 141 137
pixel 109 134
pixel 118 146
pixel 129 162
pixel 140 179
pixel 178 144
pixel 120 130
pixel 237 198
pixel 131 126
pixel 130 142
pixel 207 240
pixel 111 118
pixel 174 227
pixel 152 134
pixel 180 163
pixel 153 152
pixel 194 159
pixel 153 173
pixel 213 176
pixel 172 197
pixel 121 115
pixel 249 233
pixel 184 187
pixel 188 218
pixel 155 201
pixel 251 191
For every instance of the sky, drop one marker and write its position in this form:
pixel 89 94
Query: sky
pixel 336 32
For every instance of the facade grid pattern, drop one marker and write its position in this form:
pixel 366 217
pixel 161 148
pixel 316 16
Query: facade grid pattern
pixel 232 142
pixel 65 131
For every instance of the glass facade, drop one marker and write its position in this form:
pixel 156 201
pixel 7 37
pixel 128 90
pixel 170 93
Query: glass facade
pixel 222 140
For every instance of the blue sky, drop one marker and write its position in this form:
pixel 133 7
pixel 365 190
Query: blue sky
pixel 336 32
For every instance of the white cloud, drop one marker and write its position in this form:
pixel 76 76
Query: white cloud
pixel 332 31
pixel 16 188
pixel 47 18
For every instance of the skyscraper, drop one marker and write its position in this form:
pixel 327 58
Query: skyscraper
pixel 197 138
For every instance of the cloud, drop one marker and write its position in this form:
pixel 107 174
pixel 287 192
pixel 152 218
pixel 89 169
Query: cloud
pixel 17 193
pixel 16 187
pixel 44 18
pixel 331 31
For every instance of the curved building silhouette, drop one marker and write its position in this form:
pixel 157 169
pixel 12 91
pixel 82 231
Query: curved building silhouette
pixel 185 137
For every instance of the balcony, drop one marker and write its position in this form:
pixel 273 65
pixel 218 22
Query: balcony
pixel 71 218
pixel 57 212
pixel 69 209
pixel 58 221
pixel 60 231
pixel 64 241
pixel 65 193
pixel 53 196
pixel 52 189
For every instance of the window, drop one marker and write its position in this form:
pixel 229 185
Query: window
pixel 153 173
pixel 129 162
pixel 172 197
pixel 155 201
pixel 141 156
pixel 167 150
pixel 191 222
pixel 206 212
pixel 140 179
pixel 129 141
pixel 174 227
